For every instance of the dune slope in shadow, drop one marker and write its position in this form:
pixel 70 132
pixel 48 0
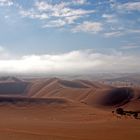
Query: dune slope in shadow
pixel 117 96
pixel 32 101
pixel 13 88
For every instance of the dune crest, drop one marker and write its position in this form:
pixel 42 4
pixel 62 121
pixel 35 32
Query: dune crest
pixel 82 91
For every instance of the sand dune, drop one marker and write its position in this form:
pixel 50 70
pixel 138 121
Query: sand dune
pixel 58 109
pixel 88 92
pixel 75 90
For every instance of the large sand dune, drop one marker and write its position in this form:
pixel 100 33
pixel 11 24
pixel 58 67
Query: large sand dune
pixel 56 109
pixel 88 92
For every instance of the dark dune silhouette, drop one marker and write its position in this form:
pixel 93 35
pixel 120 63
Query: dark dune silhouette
pixel 13 88
pixel 118 96
pixel 114 97
pixel 29 101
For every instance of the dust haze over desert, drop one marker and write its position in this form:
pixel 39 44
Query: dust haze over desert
pixel 69 70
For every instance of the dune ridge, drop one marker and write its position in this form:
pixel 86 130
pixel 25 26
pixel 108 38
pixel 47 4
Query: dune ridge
pixel 82 91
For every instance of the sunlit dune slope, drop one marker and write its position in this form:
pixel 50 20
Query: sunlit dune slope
pixel 82 91
pixel 75 90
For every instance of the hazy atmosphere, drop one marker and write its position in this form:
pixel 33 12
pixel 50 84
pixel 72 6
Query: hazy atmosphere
pixel 66 37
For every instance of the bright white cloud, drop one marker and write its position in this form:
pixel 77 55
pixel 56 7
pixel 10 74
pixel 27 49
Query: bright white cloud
pixel 70 62
pixel 70 13
pixel 6 2
pixel 90 27
pixel 55 23
pixel 61 10
pixel 33 15
pixel 61 22
pixel 130 6
pixel 81 2
pixel 45 6
pixel 57 15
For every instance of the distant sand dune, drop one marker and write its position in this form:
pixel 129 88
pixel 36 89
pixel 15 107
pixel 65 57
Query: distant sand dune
pixel 88 92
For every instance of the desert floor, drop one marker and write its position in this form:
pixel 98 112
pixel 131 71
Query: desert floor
pixel 71 121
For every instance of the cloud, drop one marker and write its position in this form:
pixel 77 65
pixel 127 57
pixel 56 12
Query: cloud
pixel 79 2
pixel 129 46
pixel 33 15
pixel 121 32
pixel 61 9
pixel 75 62
pixel 137 31
pixel 59 14
pixel 48 6
pixel 89 27
pixel 110 18
pixel 114 34
pixel 55 23
pixel 130 6
pixel 6 2
pixel 75 16
pixel 61 22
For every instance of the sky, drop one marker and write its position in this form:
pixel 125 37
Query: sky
pixel 69 36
